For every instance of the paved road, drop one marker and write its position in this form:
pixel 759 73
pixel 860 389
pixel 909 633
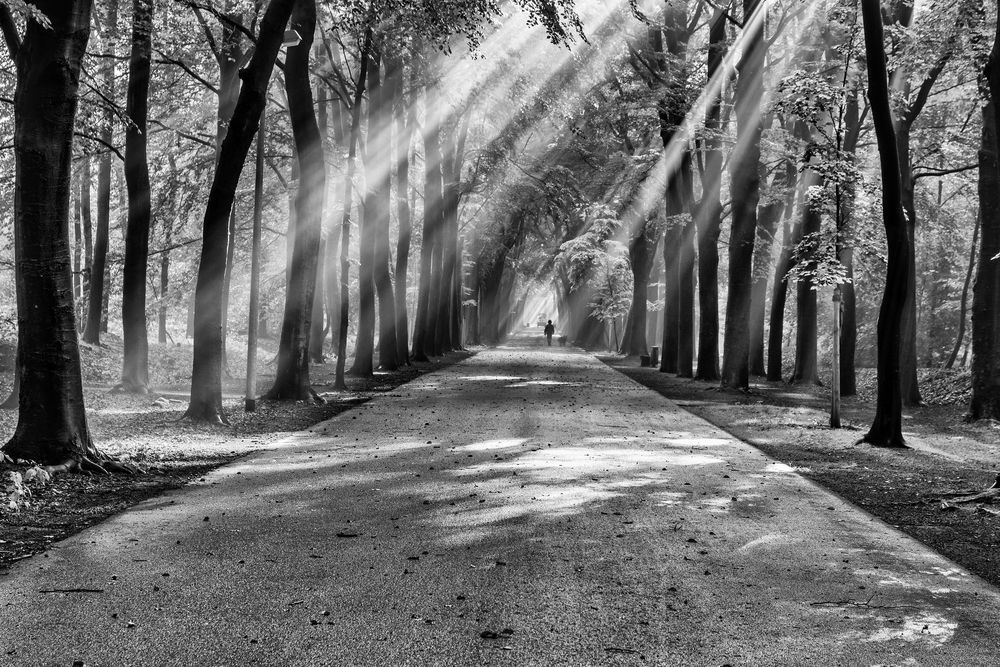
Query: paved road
pixel 529 492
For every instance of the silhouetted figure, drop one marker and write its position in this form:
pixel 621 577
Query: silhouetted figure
pixel 549 330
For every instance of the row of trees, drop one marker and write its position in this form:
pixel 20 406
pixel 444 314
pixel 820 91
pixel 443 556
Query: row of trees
pixel 722 147
pixel 367 67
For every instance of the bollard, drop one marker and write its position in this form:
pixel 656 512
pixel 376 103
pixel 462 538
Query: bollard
pixel 654 356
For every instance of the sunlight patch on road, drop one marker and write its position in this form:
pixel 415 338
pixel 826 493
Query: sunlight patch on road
pixel 771 539
pixel 542 383
pixel 489 445
pixel 491 378
pixel 914 628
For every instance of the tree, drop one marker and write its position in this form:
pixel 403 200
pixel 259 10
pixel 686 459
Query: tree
pixel 986 293
pixel 709 210
pixel 98 268
pixel 206 372
pixel 886 429
pixel 52 425
pixel 745 188
pixel 135 365
pixel 291 380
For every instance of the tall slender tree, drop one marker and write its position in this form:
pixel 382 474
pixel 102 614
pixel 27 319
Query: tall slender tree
pixel 887 427
pixel 135 365
pixel 745 188
pixel 206 372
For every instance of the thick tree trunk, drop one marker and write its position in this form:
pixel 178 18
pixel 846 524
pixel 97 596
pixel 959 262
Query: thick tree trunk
pixel 709 215
pixel 291 381
pixel 135 365
pixel 640 254
pixel 206 374
pixel 52 425
pixel 986 293
pixel 745 189
pixel 886 430
pixel 806 316
pixel 671 307
pixel 98 269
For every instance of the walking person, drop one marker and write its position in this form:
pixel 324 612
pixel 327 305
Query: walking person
pixel 550 329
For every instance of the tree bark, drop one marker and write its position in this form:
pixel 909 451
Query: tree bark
pixel 98 269
pixel 424 325
pixel 402 114
pixel 806 316
pixel 709 215
pixel 316 319
pixel 52 424
pixel 986 293
pixel 769 216
pixel 964 304
pixel 345 227
pixel 640 254
pixel 886 429
pixel 291 381
pixel 745 188
pixel 379 164
pixel 135 365
pixel 206 374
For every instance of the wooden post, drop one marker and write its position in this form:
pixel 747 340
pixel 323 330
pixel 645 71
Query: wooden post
pixel 835 384
pixel 250 402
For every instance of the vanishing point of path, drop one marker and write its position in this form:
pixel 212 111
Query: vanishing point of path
pixel 529 494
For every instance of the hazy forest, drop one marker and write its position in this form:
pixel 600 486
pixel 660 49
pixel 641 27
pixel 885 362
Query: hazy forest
pixel 229 220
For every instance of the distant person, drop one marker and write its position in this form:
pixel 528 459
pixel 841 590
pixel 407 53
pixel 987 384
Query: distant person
pixel 550 329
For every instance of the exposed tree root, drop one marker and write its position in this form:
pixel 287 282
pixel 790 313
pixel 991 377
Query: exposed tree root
pixel 100 465
pixel 990 495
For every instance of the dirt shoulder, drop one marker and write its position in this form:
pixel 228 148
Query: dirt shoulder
pixel 149 432
pixel 901 487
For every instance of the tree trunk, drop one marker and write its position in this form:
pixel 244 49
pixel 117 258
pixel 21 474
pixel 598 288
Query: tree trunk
pixel 401 160
pixel 908 352
pixel 964 307
pixel 671 274
pixel 88 226
pixel 886 429
pixel 345 226
pixel 423 334
pixel 806 316
pixel 316 319
pixel 135 366
pixel 640 254
pixel 686 273
pixel 77 238
pixel 379 165
pixel 769 216
pixel 745 190
pixel 98 269
pixel 709 215
pixel 206 374
pixel 986 293
pixel 52 425
pixel 291 381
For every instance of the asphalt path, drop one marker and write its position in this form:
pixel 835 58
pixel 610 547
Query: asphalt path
pixel 528 506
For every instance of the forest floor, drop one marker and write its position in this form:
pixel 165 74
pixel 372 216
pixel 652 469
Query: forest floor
pixel 149 431
pixel 948 456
